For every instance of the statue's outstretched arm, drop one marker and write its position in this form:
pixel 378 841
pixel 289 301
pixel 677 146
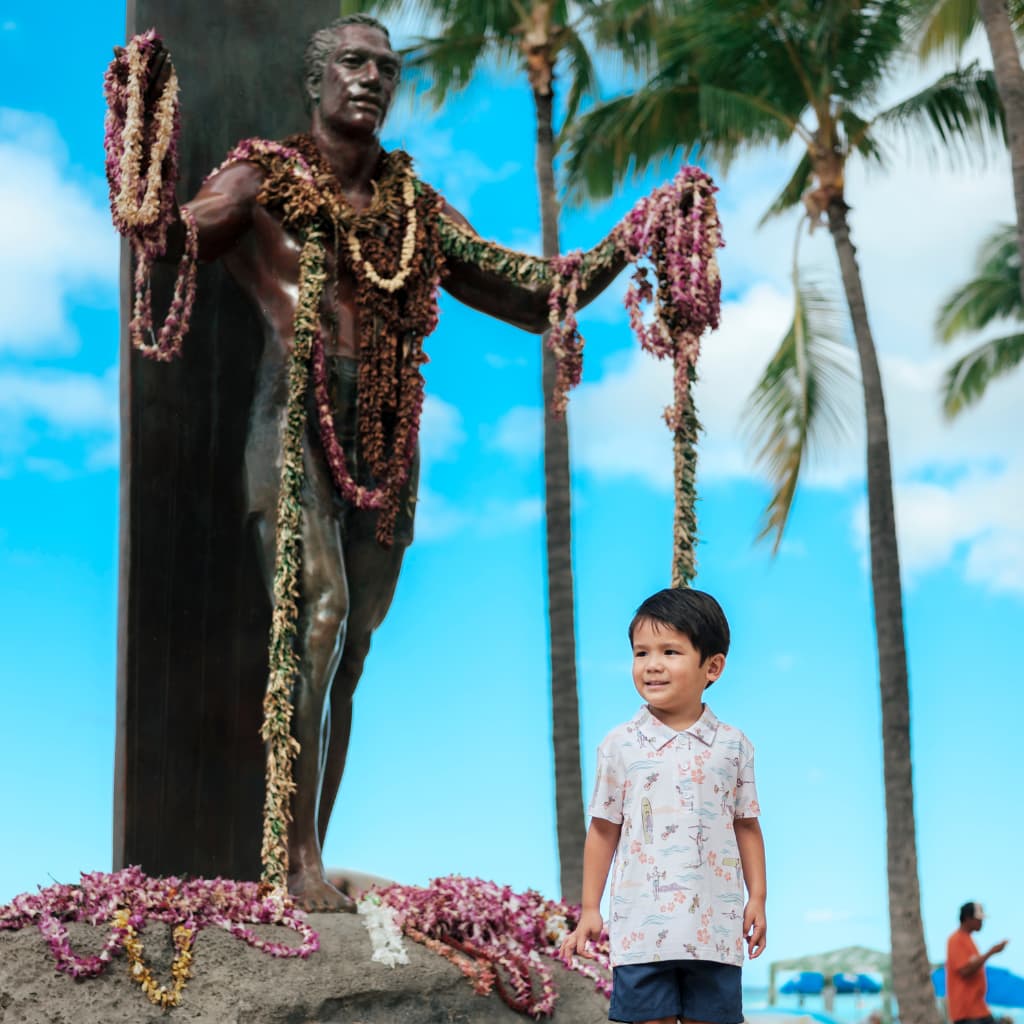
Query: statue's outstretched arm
pixel 512 286
pixel 222 209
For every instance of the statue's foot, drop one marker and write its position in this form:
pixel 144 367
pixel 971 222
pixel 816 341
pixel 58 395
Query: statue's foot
pixel 312 893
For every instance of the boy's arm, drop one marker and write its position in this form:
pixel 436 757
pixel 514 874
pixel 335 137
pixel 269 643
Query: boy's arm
pixel 598 851
pixel 751 846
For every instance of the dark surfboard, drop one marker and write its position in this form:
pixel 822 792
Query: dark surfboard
pixel 193 611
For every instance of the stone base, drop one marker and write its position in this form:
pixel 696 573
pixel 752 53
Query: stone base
pixel 235 984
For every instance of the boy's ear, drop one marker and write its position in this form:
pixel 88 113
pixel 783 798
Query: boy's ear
pixel 716 666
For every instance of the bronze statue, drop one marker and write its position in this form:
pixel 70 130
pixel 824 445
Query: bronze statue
pixel 351 555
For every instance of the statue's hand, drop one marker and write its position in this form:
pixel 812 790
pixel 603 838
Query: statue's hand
pixel 158 71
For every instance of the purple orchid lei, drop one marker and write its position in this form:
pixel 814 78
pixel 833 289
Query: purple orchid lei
pixel 195 902
pixel 681 244
pixel 508 938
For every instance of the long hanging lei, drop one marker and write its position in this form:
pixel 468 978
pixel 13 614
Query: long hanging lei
pixel 396 252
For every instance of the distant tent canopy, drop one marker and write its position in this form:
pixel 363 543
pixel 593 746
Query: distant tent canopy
pixel 851 961
pixel 1004 987
pixel 806 983
pixel 859 983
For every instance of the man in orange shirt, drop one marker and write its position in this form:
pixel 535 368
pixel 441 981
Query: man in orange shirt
pixel 965 970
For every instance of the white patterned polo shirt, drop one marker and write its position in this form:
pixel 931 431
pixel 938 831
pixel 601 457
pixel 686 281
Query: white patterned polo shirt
pixel 677 886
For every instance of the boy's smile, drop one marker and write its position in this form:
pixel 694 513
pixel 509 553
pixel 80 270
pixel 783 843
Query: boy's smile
pixel 669 675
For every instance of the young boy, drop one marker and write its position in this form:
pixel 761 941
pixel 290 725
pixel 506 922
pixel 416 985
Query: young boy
pixel 675 805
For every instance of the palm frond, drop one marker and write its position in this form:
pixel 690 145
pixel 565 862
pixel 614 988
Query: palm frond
pixel 791 195
pixel 968 378
pixel 736 120
pixel 629 133
pixel 992 294
pixel 958 118
pixel 443 65
pixel 804 395
pixel 582 77
pixel 943 27
pixel 626 28
pixel 859 137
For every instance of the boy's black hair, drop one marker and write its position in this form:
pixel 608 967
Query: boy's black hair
pixel 693 613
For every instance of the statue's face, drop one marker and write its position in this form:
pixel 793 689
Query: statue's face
pixel 359 80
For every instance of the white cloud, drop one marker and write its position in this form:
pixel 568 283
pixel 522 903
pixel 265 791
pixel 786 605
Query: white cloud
pixel 441 431
pixel 66 401
pixel 57 240
pixel 500 517
pixel 41 407
pixel 456 173
pixel 437 517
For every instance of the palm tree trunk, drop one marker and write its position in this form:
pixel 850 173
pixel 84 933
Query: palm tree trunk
pixel 911 972
pixel 1010 85
pixel 565 718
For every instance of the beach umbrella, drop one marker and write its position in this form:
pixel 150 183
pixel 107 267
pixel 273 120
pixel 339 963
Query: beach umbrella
pixel 863 983
pixel 1004 987
pixel 806 983
pixel 773 1015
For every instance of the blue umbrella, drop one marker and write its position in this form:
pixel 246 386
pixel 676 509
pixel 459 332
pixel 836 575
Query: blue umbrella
pixel 1004 987
pixel 806 983
pixel 862 983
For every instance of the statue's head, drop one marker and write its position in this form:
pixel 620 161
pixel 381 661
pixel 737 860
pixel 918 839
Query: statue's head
pixel 351 73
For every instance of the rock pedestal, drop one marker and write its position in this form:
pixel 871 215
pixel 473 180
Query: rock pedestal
pixel 235 984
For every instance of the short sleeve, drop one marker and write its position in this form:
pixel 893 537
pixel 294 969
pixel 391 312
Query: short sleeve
pixel 958 951
pixel 746 785
pixel 609 785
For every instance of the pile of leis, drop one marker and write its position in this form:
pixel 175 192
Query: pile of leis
pixel 127 900
pixel 396 251
pixel 142 171
pixel 499 939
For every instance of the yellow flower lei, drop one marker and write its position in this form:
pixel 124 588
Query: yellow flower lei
pixel 139 972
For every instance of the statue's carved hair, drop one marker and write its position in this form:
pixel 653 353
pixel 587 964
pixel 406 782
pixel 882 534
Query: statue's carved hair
pixel 322 44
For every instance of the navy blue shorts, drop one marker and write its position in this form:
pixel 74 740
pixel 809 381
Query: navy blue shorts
pixel 694 989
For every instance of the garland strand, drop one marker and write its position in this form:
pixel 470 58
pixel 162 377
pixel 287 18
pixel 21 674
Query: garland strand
pixel 284 659
pixel 143 204
pixel 127 900
pixel 497 938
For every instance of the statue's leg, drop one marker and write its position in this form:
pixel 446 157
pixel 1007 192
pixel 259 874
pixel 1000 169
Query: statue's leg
pixel 323 611
pixel 372 575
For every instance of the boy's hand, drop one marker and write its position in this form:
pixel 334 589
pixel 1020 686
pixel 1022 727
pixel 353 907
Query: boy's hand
pixel 755 928
pixel 575 943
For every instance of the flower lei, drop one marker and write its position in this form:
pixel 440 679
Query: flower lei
pixel 675 229
pixel 129 899
pixel 143 205
pixel 499 939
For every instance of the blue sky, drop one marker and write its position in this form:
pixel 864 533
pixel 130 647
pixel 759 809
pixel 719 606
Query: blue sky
pixel 450 766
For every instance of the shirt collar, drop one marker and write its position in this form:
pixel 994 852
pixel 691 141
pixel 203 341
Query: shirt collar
pixel 652 731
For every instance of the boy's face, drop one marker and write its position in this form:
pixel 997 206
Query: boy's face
pixel 668 674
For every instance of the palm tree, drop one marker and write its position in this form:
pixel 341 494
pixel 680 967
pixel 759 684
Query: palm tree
pixel 761 73
pixel 540 36
pixel 992 295
pixel 949 24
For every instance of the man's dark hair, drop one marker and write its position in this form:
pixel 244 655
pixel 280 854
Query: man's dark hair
pixel 693 613
pixel 968 912
pixel 323 43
